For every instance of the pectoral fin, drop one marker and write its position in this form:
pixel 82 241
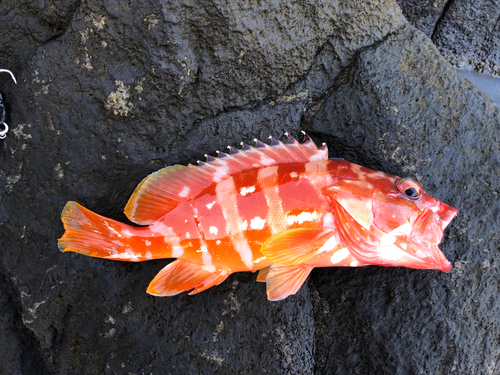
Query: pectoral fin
pixel 295 246
pixel 283 281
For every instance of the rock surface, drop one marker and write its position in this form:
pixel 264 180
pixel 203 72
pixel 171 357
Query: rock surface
pixel 466 32
pixel 110 92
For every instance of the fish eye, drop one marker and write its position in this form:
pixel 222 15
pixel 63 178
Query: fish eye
pixel 409 188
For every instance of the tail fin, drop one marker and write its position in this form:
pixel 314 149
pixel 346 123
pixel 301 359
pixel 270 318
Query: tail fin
pixel 94 235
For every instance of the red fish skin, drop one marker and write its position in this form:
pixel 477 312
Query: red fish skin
pixel 302 214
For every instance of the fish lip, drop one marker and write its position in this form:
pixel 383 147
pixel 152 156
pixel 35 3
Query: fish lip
pixel 448 216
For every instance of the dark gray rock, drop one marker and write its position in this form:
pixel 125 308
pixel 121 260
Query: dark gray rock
pixel 466 32
pixel 111 91
pixel 401 108
pixel 423 14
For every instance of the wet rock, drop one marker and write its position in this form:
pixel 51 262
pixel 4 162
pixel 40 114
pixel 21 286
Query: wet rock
pixel 466 32
pixel 109 92
pixel 402 109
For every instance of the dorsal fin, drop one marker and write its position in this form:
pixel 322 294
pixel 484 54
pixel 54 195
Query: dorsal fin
pixel 163 190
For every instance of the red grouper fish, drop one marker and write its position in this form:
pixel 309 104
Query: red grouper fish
pixel 281 208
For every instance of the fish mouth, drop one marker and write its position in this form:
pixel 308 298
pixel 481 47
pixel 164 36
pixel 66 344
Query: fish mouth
pixel 428 233
pixel 447 216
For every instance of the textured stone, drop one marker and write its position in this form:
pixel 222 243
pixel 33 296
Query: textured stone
pixel 111 91
pixel 402 109
pixel 466 32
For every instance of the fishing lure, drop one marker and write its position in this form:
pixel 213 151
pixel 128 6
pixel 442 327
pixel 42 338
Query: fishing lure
pixel 281 208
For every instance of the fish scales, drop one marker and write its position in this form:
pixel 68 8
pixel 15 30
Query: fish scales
pixel 282 209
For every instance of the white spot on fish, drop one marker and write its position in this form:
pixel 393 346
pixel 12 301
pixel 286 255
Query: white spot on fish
pixel 303 216
pixel 159 227
pixel 259 260
pixel 220 173
pixel 149 256
pixel 257 223
pixel 209 268
pixel 315 157
pixel 177 251
pixel 184 192
pixel 207 259
pixel 328 220
pixel 217 242
pixel 392 252
pixel 294 175
pixel 210 205
pixel 247 190
pixel 203 249
pixel 132 256
pixel 387 239
pixel 420 253
pixel 267 161
pixel 148 243
pixel 243 226
pixel 127 233
pixel 214 230
pixel 328 245
pixel 339 255
pixel 404 229
pixel 188 235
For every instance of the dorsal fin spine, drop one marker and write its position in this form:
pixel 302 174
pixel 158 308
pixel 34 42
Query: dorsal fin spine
pixel 163 190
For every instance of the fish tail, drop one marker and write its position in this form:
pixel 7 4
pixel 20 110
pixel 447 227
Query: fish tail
pixel 94 235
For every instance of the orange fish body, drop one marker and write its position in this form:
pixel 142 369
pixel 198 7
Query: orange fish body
pixel 282 208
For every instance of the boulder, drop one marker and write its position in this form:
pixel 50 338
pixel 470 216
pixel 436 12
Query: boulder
pixel 109 92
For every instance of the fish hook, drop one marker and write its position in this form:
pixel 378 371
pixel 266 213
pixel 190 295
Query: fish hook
pixel 3 133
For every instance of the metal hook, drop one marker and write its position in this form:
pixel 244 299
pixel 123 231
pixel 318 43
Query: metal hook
pixel 3 133
pixel 11 74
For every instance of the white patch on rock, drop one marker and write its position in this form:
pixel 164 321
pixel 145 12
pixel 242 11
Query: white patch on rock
pixel 147 243
pixel 214 230
pixel 210 205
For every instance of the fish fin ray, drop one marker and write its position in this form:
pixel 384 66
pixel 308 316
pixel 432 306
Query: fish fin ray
pixel 181 275
pixel 261 277
pixel 213 280
pixel 295 246
pixel 162 191
pixel 94 235
pixel 283 281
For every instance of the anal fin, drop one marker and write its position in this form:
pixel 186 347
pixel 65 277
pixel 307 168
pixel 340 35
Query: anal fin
pixel 283 281
pixel 262 276
pixel 180 276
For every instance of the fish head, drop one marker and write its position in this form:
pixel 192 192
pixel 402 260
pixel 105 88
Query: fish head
pixel 390 221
